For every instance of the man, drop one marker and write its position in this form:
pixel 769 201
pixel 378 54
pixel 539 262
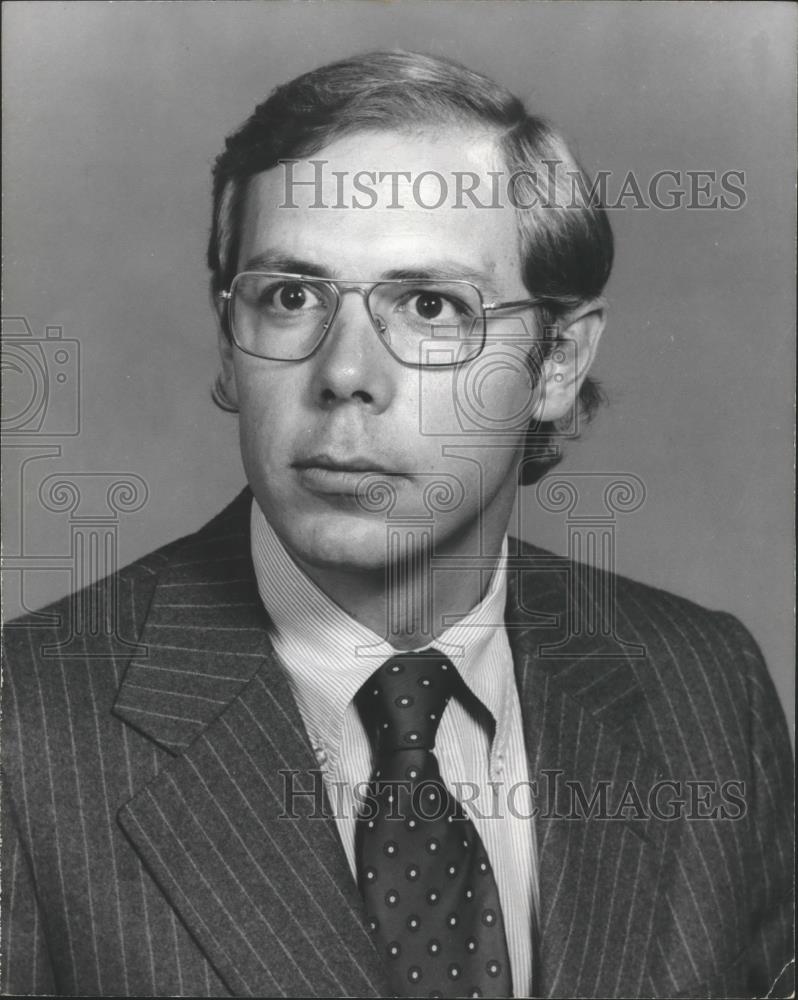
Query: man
pixel 236 802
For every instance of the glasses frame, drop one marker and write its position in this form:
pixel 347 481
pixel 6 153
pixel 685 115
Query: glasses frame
pixel 365 289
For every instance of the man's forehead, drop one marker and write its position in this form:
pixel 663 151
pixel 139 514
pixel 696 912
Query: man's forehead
pixel 388 171
pixel 388 199
pixel 391 161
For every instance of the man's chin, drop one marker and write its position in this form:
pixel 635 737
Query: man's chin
pixel 338 543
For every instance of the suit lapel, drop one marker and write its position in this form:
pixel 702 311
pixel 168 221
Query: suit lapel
pixel 598 877
pixel 257 873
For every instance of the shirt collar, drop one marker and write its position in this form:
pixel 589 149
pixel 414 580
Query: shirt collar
pixel 328 655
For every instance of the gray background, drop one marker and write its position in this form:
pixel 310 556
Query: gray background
pixel 114 113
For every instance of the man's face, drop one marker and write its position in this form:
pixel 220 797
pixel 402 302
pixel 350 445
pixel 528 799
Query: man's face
pixel 310 430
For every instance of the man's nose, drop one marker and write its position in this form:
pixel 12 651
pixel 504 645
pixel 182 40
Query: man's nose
pixel 351 364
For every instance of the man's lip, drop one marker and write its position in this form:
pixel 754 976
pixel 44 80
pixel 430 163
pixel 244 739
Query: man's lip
pixel 354 463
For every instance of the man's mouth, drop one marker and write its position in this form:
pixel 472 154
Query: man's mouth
pixel 350 463
pixel 339 474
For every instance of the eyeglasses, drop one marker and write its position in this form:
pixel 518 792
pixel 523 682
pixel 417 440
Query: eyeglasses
pixel 423 323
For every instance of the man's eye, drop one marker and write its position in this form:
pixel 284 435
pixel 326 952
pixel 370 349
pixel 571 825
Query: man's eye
pixel 291 297
pixel 432 305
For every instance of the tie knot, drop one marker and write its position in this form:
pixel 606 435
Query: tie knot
pixel 402 702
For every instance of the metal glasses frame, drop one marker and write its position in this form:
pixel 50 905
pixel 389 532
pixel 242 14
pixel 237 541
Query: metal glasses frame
pixel 365 290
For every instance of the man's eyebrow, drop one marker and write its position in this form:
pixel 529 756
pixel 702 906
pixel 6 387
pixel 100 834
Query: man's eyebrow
pixel 442 270
pixel 274 260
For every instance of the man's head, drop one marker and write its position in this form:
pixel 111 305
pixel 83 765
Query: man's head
pixel 351 400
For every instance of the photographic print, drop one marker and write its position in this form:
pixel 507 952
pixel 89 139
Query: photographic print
pixel 398 504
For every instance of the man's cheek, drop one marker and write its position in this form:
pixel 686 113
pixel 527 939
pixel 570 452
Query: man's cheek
pixel 495 395
pixel 263 447
pixel 435 410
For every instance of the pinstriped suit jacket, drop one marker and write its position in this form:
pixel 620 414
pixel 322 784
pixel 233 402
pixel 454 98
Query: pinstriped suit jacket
pixel 143 851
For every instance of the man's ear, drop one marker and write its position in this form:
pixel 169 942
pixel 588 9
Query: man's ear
pixel 569 360
pixel 227 376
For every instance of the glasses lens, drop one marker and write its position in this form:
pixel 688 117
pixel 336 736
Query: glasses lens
pixel 279 317
pixel 429 323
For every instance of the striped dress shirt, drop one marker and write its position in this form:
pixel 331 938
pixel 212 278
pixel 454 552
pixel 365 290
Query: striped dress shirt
pixel 327 656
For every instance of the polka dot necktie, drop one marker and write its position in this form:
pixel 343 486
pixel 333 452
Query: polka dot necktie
pixel 431 898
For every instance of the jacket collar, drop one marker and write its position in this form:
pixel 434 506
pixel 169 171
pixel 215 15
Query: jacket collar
pixel 204 637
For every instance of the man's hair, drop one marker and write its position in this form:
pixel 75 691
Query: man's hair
pixel 566 239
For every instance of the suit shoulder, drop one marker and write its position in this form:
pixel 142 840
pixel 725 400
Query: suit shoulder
pixel 141 573
pixel 645 610
pixel 102 622
pixel 688 681
pixel 677 648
